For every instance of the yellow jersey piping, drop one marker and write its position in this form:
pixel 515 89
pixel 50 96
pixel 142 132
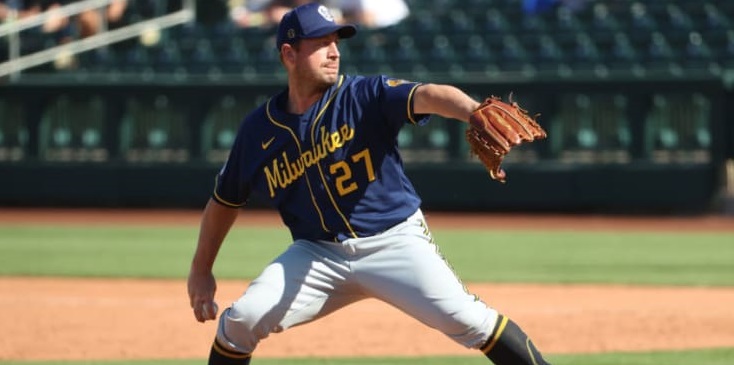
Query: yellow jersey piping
pixel 411 115
pixel 219 198
pixel 321 172
pixel 300 151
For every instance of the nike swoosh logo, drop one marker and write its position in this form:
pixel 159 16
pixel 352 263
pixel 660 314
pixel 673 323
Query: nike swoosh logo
pixel 267 143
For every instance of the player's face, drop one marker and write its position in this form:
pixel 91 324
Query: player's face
pixel 317 60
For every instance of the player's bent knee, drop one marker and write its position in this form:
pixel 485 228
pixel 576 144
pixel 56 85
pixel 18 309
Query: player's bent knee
pixel 471 328
pixel 242 326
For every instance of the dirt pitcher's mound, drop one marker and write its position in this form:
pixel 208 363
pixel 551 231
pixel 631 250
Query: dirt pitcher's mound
pixel 75 319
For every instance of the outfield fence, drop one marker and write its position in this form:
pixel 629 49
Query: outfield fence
pixel 624 145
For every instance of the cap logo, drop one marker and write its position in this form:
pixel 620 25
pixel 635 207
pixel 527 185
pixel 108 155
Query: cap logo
pixel 325 13
pixel 291 33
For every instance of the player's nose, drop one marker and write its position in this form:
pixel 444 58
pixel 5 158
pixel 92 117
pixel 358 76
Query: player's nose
pixel 334 50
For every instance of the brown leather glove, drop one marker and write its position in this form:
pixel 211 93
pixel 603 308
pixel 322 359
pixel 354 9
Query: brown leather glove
pixel 495 127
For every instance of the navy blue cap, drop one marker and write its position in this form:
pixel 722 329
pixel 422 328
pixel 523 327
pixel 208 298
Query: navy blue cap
pixel 311 20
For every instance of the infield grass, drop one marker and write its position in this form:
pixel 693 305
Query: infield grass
pixel 478 256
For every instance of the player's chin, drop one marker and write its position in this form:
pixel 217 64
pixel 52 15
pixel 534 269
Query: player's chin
pixel 330 78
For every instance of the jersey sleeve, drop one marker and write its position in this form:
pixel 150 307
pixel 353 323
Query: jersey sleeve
pixel 397 101
pixel 232 186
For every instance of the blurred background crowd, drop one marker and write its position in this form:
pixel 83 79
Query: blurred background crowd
pixel 407 36
pixel 226 15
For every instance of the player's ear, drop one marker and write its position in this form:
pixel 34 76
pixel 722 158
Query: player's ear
pixel 288 53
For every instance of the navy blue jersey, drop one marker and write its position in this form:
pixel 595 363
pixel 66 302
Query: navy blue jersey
pixel 333 172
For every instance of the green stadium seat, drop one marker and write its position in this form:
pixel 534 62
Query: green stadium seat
pixel 72 129
pixel 513 55
pixel 677 19
pixel 566 21
pixel 640 19
pixel 234 57
pixel 495 22
pixel 168 59
pixel 677 128
pixel 659 53
pixel 100 60
pixel 372 57
pixel 658 35
pixel 220 127
pixel 404 56
pixel 533 24
pixel 459 22
pixel 622 53
pixel 716 19
pixel 548 54
pixel 202 58
pixel 591 128
pixel 602 19
pixel 266 59
pixel 584 52
pixel 726 55
pixel 478 55
pixel 423 21
pixel 441 55
pixel 14 134
pixel 427 144
pixel 153 130
pixel 697 54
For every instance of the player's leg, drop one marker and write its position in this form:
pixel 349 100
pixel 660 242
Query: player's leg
pixel 219 355
pixel 408 272
pixel 508 344
pixel 304 283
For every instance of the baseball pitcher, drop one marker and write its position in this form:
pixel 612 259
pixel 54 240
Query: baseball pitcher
pixel 324 153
